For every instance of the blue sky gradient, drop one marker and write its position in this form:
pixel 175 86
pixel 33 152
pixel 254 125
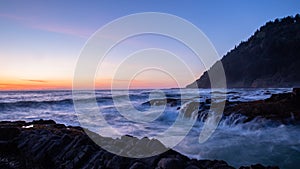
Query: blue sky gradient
pixel 41 40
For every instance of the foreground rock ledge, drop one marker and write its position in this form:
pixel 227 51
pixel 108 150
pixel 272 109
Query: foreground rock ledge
pixel 45 144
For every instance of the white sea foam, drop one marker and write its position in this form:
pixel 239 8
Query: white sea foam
pixel 239 143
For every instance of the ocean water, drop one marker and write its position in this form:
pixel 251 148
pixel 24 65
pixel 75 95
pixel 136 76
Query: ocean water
pixel 259 141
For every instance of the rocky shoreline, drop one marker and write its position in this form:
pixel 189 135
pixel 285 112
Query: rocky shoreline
pixel 45 144
pixel 282 108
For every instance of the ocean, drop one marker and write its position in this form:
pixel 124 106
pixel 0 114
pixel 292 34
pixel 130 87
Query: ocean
pixel 259 141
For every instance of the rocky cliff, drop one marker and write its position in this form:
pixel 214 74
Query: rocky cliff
pixel 269 58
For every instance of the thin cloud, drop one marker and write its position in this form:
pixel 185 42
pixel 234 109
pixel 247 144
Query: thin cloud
pixel 117 80
pixel 37 81
pixel 50 27
pixel 126 80
pixel 13 17
pixel 61 29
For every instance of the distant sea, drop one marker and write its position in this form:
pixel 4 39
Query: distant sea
pixel 259 141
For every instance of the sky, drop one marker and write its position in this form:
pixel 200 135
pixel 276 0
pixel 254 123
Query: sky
pixel 40 41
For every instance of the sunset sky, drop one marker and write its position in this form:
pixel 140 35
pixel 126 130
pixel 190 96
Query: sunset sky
pixel 40 41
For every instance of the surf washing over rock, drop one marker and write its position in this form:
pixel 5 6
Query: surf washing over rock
pixel 268 139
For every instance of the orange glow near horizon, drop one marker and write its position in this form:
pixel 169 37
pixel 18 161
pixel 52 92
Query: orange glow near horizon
pixel 34 85
pixel 67 84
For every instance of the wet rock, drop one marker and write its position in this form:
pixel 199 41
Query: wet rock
pixel 11 161
pixel 215 164
pixel 190 108
pixel 116 163
pixel 259 166
pixel 59 126
pixel 41 121
pixel 8 133
pixel 138 165
pixel 208 101
pixel 52 145
pixel 192 167
pixel 160 102
pixel 296 91
pixel 170 163
pixel 13 123
pixel 283 108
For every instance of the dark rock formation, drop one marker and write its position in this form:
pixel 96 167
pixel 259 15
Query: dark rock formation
pixel 159 102
pixel 284 108
pixel 45 144
pixel 269 58
pixel 256 166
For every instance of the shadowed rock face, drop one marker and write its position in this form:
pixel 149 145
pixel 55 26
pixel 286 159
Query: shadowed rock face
pixel 45 144
pixel 283 108
pixel 269 58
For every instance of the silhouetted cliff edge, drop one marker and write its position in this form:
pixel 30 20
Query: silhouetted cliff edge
pixel 269 58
